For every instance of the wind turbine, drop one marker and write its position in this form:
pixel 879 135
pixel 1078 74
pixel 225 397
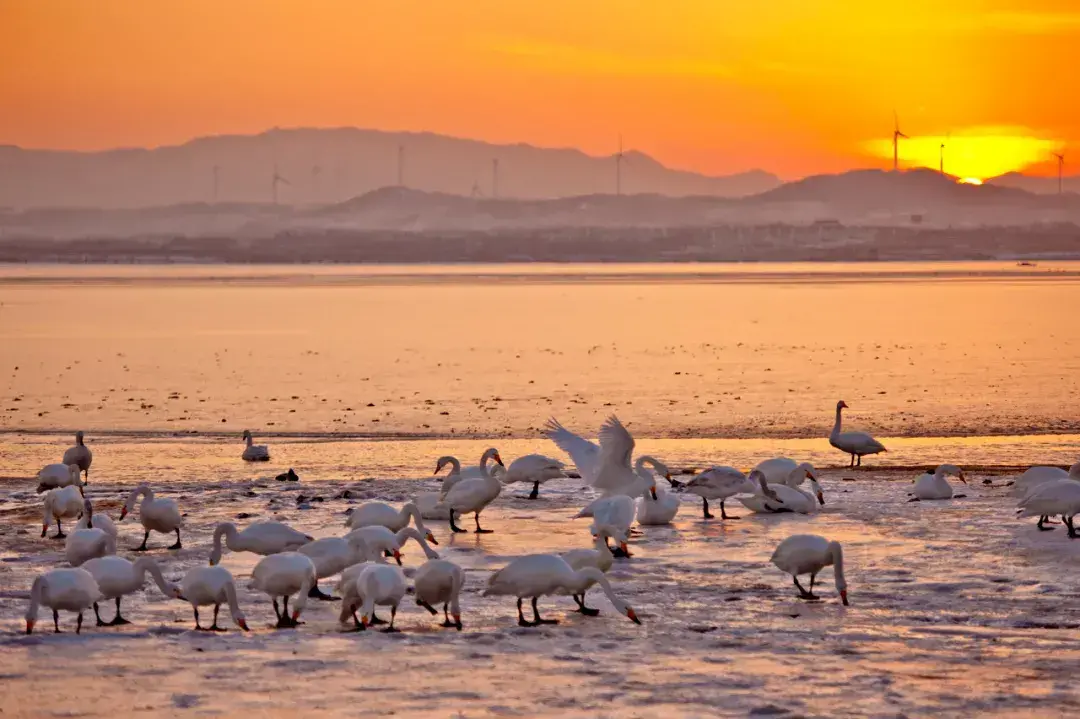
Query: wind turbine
pixel 275 181
pixel 896 142
pixel 1061 165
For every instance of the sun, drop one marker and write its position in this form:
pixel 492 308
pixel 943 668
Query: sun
pixel 970 181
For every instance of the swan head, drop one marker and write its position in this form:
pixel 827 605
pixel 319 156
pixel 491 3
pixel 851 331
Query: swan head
pixel 242 623
pixel 397 556
pixel 442 462
pixel 817 491
pixel 843 597
pixel 431 538
pixel 247 435
pixel 953 470
pixel 498 459
pixel 123 512
pixel 30 625
pixel 79 437
pixel 841 405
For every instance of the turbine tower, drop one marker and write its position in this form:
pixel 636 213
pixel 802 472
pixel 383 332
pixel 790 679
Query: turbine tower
pixel 274 182
pixel 942 168
pixel 619 158
pixel 896 142
pixel 1061 166
pixel 495 177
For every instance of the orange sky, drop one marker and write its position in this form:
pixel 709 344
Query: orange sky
pixel 793 86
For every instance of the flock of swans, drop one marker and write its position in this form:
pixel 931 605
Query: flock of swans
pixel 294 563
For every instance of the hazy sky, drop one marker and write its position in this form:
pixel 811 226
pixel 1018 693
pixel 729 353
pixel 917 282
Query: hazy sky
pixel 794 86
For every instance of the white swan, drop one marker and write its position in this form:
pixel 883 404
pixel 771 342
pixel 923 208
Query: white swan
pixel 614 474
pixel 254 452
pixel 719 482
pixel 377 585
pixel 457 474
pixel 79 455
pixel 60 504
pixel 380 540
pixel 268 537
pixel 438 581
pixel 53 476
pixel 371 514
pixel 780 498
pixel 809 554
pixel 281 575
pixel 534 469
pixel 539 575
pixel 784 470
pixel 332 555
pixel 205 586
pixel 116 577
pixel 160 515
pixel 934 485
pixel 1037 476
pixel 1061 496
pixel 585 454
pixel 600 555
pixel 83 545
pixel 96 520
pixel 473 495
pixel 657 506
pixel 615 511
pixel 857 444
pixel 72 590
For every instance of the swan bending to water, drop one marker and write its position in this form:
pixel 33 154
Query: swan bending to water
pixel 95 520
pixel 54 476
pixel 205 586
pixel 473 495
pixel 380 514
pixel 654 512
pixel 72 590
pixel 377 584
pixel 720 482
pixel 333 555
pixel 266 538
pixel 59 504
pixel 1061 496
pixel 780 498
pixel 281 575
pixel 857 444
pixel 160 515
pixel 380 540
pixel 1038 476
pixel 809 554
pixel 538 575
pixel 117 577
pixel 79 455
pixel 585 454
pixel 254 452
pixel 616 511
pixel 934 485
pixel 438 581
pixel 599 557
pixel 784 470
pixel 82 545
pixel 534 469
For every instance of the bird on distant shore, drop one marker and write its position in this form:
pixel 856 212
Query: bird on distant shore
pixel 857 444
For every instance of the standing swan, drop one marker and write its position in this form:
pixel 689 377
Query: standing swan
pixel 856 444
pixel 809 554
pixel 538 575
pixel 379 514
pixel 254 452
pixel 160 515
pixel 1061 496
pixel 934 485
pixel 281 575
pixel 333 555
pixel 720 482
pixel 377 584
pixel 534 469
pixel 116 577
pixel 204 586
pixel 73 590
pixel 79 455
pixel 438 581
pixel 63 503
pixel 53 476
pixel 260 538
pixel 474 495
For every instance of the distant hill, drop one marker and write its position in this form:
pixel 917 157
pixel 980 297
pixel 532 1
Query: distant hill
pixel 323 166
pixel 1036 185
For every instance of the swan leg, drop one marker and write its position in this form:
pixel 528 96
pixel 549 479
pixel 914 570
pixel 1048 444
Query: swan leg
pixel 803 594
pixel 118 620
pixel 536 615
pixel 56 621
pixel 375 620
pixel 78 624
pixel 199 628
pixel 535 491
pixel 177 545
pixel 852 465
pixel 478 529
pixel 1044 519
pixel 425 605
pixel 142 547
pixel 284 620
pixel 98 615
pixel 454 527
pixel 1069 523
pixel 214 627
pixel 587 611
pixel 723 514
pixel 59 531
pixel 619 553
pixel 277 613
pixel 522 621
pixel 859 463
pixel 447 623
pixel 705 508
pixel 390 629
pixel 316 593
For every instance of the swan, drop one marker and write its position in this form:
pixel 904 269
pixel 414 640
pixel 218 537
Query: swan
pixel 59 504
pixel 281 575
pixel 260 538
pixel 116 576
pixel 783 470
pixel 254 452
pixel 427 503
pixel 73 590
pixel 585 454
pixel 779 498
pixel 92 520
pixel 473 495
pixel 534 469
pixel 83 545
pixel 658 506
pixel 614 474
pixel 53 476
pixel 1061 496
pixel 599 557
pixel 331 556
pixel 79 455
pixel 457 474
pixel 616 511
pixel 438 581
pixel 857 444
pixel 720 482
pixel 372 514
pixel 1037 476
pixel 380 540
pixel 203 586
pixel 809 554
pixel 934 485
pixel 538 575
pixel 160 515
pixel 377 584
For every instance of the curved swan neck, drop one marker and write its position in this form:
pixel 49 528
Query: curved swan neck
pixel 234 606
pixel 248 439
pixel 37 595
pixel 227 530
pixel 143 490
pixel 148 565
pixel 839 421
pixel 458 581
pixel 411 512
pixel 838 565
pixel 79 438
pixel 455 465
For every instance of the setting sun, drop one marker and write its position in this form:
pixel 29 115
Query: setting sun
pixel 979 152
pixel 971 181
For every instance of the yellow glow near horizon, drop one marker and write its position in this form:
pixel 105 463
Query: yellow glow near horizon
pixel 972 154
pixel 971 181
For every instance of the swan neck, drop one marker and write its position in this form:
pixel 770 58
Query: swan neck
pixel 37 592
pixel 838 566
pixel 455 590
pixel 230 596
pixel 147 565
pixel 837 424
